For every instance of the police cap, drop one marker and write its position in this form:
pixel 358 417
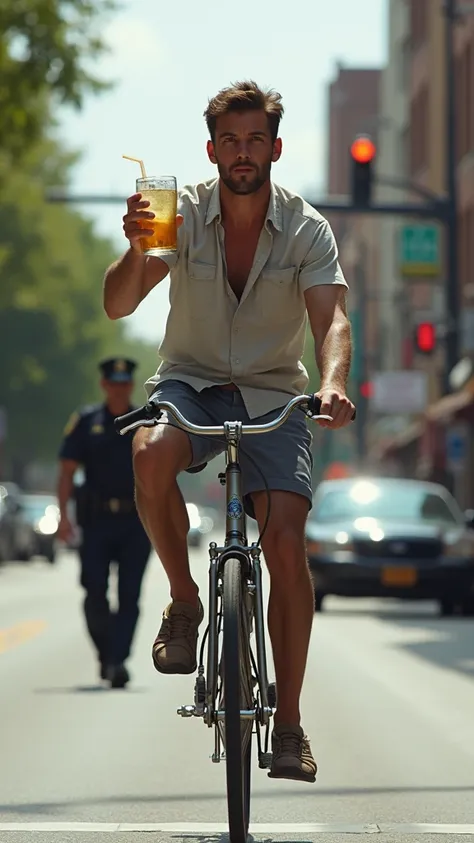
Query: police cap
pixel 117 369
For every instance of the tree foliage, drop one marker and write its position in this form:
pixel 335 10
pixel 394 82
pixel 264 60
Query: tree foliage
pixel 53 330
pixel 45 46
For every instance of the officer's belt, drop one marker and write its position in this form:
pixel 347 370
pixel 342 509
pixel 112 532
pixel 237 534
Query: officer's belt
pixel 117 505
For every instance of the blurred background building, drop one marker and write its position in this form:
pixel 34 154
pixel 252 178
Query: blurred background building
pixel 396 266
pixel 53 331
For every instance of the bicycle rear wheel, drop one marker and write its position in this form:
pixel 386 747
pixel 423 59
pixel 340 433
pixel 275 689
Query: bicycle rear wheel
pixel 238 694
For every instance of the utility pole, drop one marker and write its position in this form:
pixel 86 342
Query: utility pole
pixel 452 292
pixel 360 279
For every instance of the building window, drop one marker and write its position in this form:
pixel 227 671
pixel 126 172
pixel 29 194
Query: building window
pixel 404 64
pixel 404 162
pixel 419 131
pixel 464 70
pixel 470 94
pixel 419 21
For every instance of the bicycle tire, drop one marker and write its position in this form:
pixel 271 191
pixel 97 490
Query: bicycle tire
pixel 237 693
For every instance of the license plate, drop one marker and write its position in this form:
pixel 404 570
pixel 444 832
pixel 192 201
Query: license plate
pixel 399 576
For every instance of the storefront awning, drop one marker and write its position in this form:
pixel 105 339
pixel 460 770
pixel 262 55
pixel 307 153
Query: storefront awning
pixel 449 405
pixel 401 440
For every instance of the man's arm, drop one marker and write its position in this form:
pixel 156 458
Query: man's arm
pixel 65 484
pixel 322 281
pixel 71 456
pixel 331 329
pixel 129 280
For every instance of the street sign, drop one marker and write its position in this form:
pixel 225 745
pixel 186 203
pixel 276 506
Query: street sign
pixel 457 441
pixel 405 391
pixel 419 250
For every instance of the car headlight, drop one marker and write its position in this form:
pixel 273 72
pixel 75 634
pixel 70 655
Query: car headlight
pixel 456 546
pixel 47 525
pixel 340 547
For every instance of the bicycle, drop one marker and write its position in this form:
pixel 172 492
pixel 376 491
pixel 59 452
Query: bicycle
pixel 234 695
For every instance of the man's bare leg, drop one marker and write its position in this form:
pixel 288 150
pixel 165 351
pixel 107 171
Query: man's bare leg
pixel 290 618
pixel 159 455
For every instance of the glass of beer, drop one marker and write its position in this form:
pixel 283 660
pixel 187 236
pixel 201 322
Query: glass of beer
pixel 161 192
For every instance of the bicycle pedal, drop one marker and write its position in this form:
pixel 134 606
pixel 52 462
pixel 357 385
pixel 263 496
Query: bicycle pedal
pixel 265 760
pixel 186 710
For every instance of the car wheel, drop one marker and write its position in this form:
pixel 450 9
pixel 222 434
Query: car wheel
pixel 51 557
pixel 447 608
pixel 318 601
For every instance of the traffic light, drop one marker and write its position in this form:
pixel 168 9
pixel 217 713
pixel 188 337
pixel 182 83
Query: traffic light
pixel 366 389
pixel 425 338
pixel 362 153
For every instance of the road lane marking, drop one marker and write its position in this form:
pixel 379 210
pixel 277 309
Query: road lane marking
pixel 18 634
pixel 255 828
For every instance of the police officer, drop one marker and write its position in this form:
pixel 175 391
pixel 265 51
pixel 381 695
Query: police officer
pixel 106 512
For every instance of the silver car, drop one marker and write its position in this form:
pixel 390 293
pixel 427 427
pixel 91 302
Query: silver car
pixel 387 537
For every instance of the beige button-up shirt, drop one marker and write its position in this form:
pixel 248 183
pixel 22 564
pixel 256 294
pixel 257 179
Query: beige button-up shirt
pixel 256 343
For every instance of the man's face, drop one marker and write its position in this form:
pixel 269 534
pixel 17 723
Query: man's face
pixel 117 392
pixel 243 150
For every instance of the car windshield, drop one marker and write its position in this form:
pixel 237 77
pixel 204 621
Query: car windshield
pixel 35 507
pixel 387 502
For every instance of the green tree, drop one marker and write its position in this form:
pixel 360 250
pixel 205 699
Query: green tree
pixel 44 48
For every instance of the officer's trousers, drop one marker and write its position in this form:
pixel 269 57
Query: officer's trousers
pixel 121 539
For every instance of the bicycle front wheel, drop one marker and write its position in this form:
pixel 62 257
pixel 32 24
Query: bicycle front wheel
pixel 238 695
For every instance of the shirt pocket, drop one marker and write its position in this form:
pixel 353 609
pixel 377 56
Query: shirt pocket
pixel 278 295
pixel 202 290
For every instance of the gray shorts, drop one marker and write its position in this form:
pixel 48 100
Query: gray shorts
pixel 283 456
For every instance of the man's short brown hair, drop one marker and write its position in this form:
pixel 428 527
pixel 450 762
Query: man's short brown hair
pixel 245 96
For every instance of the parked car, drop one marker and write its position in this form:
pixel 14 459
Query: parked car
pixel 42 512
pixel 391 537
pixel 17 539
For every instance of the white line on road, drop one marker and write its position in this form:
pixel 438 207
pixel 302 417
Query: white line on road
pixel 274 829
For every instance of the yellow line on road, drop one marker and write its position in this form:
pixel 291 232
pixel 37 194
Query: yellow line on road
pixel 13 636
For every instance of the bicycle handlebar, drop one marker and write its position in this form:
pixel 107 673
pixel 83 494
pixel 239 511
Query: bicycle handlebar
pixel 149 416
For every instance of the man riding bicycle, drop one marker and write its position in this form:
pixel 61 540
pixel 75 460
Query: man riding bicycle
pixel 254 261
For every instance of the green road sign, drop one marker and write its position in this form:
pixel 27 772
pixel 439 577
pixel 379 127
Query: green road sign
pixel 419 250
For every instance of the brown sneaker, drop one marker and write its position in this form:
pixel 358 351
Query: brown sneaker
pixel 292 756
pixel 175 646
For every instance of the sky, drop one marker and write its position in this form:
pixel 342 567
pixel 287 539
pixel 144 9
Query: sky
pixel 167 60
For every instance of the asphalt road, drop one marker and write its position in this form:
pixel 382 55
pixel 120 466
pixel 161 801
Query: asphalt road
pixel 388 704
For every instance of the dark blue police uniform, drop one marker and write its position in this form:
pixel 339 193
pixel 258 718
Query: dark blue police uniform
pixel 111 529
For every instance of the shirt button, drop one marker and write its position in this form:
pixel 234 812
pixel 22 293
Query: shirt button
pixel 236 360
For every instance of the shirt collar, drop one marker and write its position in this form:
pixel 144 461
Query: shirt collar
pixel 273 214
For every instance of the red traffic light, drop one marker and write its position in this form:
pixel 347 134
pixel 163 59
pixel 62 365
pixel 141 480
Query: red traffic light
pixel 425 337
pixel 367 389
pixel 363 150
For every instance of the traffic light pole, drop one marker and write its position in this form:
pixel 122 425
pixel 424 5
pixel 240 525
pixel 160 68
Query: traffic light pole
pixel 360 270
pixel 452 293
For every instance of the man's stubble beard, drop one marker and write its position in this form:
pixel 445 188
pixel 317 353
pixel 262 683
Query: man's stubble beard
pixel 248 185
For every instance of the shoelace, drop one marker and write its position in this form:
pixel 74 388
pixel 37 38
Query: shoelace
pixel 179 624
pixel 290 744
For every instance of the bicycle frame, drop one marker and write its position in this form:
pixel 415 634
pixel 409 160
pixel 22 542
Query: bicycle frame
pixel 235 544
